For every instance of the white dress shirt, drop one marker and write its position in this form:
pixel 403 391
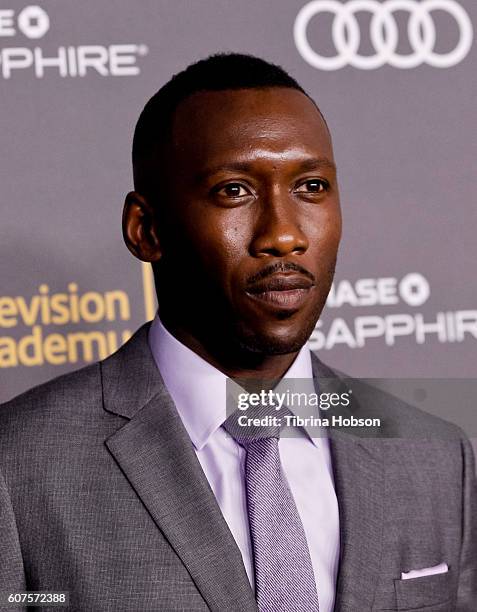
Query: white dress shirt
pixel 199 391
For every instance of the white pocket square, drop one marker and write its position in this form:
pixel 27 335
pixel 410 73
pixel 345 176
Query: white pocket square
pixel 426 571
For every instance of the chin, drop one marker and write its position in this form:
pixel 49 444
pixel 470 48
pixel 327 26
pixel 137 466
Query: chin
pixel 275 342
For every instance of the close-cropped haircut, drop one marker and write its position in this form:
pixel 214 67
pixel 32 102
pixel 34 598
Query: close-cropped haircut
pixel 219 72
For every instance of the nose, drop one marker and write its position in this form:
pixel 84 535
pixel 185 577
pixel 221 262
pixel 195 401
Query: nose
pixel 277 230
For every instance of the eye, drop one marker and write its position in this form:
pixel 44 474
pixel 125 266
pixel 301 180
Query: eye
pixel 313 186
pixel 233 190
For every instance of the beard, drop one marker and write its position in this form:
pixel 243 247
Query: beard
pixel 224 333
pixel 274 344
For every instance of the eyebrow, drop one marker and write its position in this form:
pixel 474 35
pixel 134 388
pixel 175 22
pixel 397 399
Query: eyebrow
pixel 313 163
pixel 317 162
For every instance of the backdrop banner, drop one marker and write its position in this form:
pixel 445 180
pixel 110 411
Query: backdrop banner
pixel 395 80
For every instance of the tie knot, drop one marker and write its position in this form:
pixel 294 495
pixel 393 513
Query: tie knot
pixel 255 424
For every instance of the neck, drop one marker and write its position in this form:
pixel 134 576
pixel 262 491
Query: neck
pixel 234 362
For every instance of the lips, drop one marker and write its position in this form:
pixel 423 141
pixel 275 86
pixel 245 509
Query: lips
pixel 281 291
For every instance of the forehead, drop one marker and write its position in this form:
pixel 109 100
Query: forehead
pixel 237 123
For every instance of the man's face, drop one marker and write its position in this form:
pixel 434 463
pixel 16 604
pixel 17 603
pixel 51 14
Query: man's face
pixel 251 222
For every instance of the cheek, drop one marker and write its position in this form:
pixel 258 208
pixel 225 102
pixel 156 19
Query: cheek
pixel 233 238
pixel 324 233
pixel 217 242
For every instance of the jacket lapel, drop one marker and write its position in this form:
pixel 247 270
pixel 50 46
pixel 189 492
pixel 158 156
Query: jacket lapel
pixel 155 453
pixel 358 466
pixel 157 456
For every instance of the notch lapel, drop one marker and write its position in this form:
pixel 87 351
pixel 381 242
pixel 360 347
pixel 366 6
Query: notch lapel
pixel 358 467
pixel 157 456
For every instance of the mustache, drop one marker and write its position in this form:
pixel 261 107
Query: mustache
pixel 280 266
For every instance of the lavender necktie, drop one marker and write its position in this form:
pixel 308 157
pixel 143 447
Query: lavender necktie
pixel 284 579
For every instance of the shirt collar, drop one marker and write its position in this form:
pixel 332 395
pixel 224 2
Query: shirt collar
pixel 197 388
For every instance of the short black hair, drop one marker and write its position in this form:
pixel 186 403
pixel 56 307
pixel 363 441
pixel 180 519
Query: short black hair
pixel 217 72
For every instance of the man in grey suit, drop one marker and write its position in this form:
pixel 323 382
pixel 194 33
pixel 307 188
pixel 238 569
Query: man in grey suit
pixel 125 483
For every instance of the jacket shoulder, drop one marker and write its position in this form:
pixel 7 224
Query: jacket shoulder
pixel 72 406
pixel 399 418
pixel 66 398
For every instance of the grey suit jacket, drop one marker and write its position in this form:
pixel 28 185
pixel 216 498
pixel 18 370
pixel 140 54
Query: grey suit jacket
pixel 101 495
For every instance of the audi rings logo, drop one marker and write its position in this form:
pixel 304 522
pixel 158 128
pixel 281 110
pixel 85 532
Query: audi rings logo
pixel 384 34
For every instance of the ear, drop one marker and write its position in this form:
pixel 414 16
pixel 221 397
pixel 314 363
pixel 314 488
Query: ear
pixel 139 228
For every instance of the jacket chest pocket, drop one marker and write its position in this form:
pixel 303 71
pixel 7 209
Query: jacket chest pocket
pixel 429 593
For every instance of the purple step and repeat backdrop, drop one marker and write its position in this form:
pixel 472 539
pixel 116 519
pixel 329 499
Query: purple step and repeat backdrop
pixel 396 82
